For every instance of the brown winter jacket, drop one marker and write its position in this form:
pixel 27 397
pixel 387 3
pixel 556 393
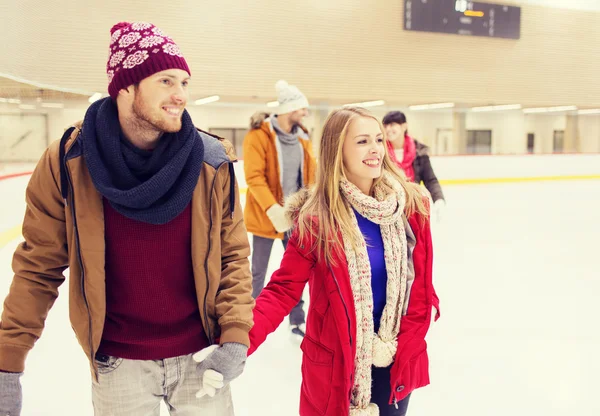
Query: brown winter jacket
pixel 263 174
pixel 69 232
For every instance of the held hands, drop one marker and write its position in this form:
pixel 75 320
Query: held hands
pixel 219 365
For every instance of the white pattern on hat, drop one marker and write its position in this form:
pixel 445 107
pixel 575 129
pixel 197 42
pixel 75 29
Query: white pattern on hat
pixel 135 59
pixel 172 49
pixel 158 32
pixel 129 39
pixel 140 25
pixel 151 41
pixel 115 36
pixel 116 58
pixel 289 97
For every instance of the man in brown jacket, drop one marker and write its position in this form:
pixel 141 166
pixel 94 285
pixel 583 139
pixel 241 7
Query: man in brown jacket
pixel 278 161
pixel 144 210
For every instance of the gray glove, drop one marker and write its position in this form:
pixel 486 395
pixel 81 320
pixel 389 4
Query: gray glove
pixel 228 360
pixel 11 396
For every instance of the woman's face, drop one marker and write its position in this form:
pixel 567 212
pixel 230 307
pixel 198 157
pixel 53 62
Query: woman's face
pixel 395 132
pixel 362 152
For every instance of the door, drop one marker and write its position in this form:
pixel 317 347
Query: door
pixel 443 142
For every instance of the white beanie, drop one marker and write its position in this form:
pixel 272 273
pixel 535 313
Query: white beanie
pixel 289 97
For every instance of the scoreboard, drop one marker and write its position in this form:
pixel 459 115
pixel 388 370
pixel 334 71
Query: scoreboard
pixel 463 17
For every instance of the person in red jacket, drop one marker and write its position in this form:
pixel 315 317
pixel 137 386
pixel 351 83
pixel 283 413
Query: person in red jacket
pixel 362 241
pixel 413 158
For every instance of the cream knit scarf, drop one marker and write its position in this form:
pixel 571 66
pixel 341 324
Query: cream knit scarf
pixel 386 208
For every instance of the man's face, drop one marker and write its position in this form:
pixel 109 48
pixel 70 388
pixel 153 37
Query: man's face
pixel 160 100
pixel 297 116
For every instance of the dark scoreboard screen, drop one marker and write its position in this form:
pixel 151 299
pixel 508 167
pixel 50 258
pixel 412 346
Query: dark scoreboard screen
pixel 463 17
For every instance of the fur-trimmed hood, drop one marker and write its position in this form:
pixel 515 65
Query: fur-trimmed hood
pixel 422 149
pixel 258 118
pixel 295 202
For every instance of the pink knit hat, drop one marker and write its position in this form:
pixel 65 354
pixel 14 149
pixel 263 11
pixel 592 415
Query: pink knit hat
pixel 138 50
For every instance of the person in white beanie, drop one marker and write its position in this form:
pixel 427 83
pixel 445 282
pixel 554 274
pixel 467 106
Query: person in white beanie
pixel 278 161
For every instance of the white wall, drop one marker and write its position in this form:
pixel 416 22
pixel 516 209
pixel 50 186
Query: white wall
pixel 543 127
pixel 424 126
pixel 58 119
pixel 508 130
pixel 589 133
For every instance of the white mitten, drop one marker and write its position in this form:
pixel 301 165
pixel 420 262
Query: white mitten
pixel 211 379
pixel 277 216
pixel 439 207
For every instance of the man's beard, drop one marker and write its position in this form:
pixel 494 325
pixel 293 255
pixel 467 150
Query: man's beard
pixel 146 120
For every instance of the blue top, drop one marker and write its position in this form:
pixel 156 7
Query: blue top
pixel 372 235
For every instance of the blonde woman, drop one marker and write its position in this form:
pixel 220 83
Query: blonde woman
pixel 362 242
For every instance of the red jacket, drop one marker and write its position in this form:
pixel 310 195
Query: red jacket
pixel 329 345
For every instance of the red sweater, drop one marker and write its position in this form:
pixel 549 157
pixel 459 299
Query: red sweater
pixel 151 305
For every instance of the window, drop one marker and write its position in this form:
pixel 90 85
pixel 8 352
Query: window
pixel 234 135
pixel 559 141
pixel 530 142
pixel 479 142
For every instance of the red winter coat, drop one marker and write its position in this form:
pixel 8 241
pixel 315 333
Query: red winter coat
pixel 329 345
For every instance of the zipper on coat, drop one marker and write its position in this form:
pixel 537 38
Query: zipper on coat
pixel 78 250
pixel 349 324
pixel 210 224
pixel 343 302
pixel 394 396
pixel 232 207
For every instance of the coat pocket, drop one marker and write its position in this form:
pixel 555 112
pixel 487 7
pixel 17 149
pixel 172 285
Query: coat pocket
pixel 317 372
pixel 415 374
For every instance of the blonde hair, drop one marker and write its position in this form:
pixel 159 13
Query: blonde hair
pixel 326 204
